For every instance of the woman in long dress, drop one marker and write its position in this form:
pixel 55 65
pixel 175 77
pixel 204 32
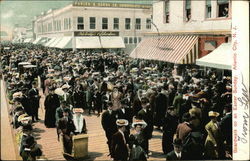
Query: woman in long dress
pixel 51 103
pixel 116 99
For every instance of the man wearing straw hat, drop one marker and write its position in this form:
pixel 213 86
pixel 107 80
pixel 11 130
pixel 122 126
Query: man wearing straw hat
pixel 119 147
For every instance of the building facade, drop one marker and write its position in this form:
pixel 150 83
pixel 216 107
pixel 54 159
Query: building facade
pixel 79 19
pixel 201 26
pixel 209 19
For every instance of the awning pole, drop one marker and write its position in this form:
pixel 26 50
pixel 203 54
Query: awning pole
pixel 73 42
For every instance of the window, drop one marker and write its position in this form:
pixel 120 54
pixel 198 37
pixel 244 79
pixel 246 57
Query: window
pixel 139 39
pixel 188 10
pixel 69 23
pixel 80 23
pixel 223 8
pixel 92 23
pixel 104 23
pixel 166 11
pixel 54 25
pixel 65 23
pixel 127 23
pixel 210 45
pixel 135 40
pixel 125 40
pixel 131 40
pixel 148 23
pixel 116 24
pixel 59 25
pixel 208 9
pixel 137 23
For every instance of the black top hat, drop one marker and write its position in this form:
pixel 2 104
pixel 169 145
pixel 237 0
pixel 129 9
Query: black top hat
pixel 177 142
pixel 110 103
pixel 66 110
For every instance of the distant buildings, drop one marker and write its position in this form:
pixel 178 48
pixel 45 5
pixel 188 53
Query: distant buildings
pixel 5 33
pixel 94 25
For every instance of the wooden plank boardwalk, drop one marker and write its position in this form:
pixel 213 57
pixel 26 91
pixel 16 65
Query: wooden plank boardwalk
pixel 97 147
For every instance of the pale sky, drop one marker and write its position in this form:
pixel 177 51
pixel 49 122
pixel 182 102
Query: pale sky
pixel 22 12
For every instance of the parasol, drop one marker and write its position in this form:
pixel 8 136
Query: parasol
pixel 29 66
pixel 24 63
pixel 59 91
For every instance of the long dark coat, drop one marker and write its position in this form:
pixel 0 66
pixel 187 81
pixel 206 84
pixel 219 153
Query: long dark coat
pixel 119 150
pixel 51 103
pixel 160 109
pixel 169 129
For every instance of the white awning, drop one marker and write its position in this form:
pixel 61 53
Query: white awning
pixel 112 42
pixel 88 42
pixel 64 43
pixel 220 58
pixel 37 40
pixel 27 40
pixel 40 40
pixel 57 40
pixel 50 41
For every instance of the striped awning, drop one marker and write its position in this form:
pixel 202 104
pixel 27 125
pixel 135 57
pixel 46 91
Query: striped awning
pixel 179 49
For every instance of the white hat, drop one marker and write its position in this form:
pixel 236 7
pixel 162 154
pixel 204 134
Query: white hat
pixel 65 86
pixel 122 122
pixel 139 122
pixel 213 114
pixel 77 110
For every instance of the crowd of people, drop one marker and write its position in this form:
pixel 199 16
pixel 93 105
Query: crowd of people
pixel 191 107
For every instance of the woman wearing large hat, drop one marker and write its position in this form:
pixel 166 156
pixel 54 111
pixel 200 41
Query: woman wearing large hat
pixel 213 143
pixel 138 141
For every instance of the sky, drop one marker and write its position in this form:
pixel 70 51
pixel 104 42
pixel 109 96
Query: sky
pixel 19 12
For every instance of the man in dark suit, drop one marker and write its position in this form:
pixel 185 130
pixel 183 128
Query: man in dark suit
pixel 109 124
pixel 34 101
pixel 146 114
pixel 226 127
pixel 119 150
pixel 177 153
pixel 66 128
pixel 125 112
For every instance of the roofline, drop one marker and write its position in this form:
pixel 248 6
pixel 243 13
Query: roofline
pixel 204 32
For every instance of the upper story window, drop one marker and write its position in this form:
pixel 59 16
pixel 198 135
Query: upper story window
pixel 92 22
pixel 116 24
pixel 130 40
pixel 223 8
pixel 148 23
pixel 166 11
pixel 65 23
pixel 59 25
pixel 208 8
pixel 127 23
pixel 139 39
pixel 80 23
pixel 188 10
pixel 137 23
pixel 69 23
pixel 125 40
pixel 104 23
pixel 135 40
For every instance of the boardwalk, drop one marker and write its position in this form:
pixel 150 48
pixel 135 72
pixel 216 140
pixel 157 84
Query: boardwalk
pixel 97 147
